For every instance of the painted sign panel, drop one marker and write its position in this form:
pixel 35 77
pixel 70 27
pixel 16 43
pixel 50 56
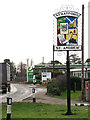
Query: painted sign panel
pixel 67 31
pixel 63 28
pixel 66 13
pixel 71 48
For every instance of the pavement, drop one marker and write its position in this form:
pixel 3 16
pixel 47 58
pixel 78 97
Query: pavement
pixel 42 97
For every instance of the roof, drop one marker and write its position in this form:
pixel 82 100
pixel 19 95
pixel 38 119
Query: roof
pixel 73 65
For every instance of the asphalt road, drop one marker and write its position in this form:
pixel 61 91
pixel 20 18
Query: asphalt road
pixel 19 92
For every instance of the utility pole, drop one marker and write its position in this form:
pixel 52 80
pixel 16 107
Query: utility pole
pixel 27 67
pixel 53 61
pixel 82 83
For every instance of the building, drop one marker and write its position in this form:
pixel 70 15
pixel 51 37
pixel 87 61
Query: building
pixel 78 73
pixel 76 69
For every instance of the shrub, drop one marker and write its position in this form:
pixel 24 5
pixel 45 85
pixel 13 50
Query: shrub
pixel 75 83
pixel 56 73
pixel 57 85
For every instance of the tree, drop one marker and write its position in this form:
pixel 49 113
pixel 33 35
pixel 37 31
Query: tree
pixel 21 69
pixel 56 62
pixel 88 60
pixel 12 67
pixel 74 59
pixel 7 61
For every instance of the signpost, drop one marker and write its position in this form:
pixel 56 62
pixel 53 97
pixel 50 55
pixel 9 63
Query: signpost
pixel 29 74
pixel 67 40
pixel 30 77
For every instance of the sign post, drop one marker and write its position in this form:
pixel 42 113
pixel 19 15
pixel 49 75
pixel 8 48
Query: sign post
pixel 68 86
pixel 67 40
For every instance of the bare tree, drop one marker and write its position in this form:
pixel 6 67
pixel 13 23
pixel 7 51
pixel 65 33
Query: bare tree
pixel 21 69
pixel 12 67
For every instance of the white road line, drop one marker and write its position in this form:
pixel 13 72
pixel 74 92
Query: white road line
pixel 13 90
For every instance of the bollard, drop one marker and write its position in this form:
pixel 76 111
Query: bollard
pixel 9 103
pixel 33 91
pixel 9 88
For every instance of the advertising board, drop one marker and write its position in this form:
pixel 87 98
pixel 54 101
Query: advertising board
pixel 45 76
pixel 30 76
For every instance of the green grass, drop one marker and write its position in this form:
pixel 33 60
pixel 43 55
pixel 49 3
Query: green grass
pixel 74 95
pixel 41 110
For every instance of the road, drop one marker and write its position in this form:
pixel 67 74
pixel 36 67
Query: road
pixel 19 92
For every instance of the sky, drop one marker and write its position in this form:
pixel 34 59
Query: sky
pixel 26 29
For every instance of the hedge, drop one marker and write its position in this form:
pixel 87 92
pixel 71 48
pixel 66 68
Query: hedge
pixel 56 86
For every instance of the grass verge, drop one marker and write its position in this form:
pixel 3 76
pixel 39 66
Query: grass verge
pixel 41 110
pixel 74 95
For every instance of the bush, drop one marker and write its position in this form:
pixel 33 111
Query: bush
pixel 57 85
pixel 52 88
pixel 56 73
pixel 75 83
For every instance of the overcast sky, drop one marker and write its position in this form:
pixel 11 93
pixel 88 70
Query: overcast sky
pixel 26 29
